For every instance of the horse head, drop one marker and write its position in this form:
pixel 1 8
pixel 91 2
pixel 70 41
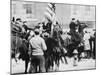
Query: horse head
pixel 82 26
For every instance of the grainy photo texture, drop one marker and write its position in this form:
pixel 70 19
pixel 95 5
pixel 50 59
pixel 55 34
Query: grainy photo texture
pixel 52 37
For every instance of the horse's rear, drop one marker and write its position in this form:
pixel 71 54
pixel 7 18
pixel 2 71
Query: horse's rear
pixel 54 52
pixel 15 44
pixel 49 54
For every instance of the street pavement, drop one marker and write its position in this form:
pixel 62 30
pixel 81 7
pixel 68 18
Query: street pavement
pixel 19 67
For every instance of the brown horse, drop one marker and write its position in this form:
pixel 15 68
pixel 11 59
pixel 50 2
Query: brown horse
pixel 20 45
pixel 70 45
pixel 54 51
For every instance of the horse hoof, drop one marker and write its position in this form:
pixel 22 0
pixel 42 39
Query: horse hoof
pixel 66 62
pixel 25 72
pixel 75 65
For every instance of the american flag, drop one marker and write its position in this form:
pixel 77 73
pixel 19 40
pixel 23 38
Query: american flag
pixel 50 14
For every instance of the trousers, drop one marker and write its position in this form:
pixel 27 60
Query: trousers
pixel 37 63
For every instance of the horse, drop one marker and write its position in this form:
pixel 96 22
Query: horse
pixel 49 53
pixel 15 44
pixel 80 49
pixel 15 40
pixel 54 51
pixel 72 45
pixel 59 45
pixel 20 45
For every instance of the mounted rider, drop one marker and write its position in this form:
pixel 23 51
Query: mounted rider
pixel 47 26
pixel 74 30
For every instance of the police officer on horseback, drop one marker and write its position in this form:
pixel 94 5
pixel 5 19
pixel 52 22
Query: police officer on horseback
pixel 74 30
pixel 47 27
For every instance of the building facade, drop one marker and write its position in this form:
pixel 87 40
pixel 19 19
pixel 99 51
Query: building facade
pixel 34 11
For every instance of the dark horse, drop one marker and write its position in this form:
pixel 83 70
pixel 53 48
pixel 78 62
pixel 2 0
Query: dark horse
pixel 72 45
pixel 20 44
pixel 54 49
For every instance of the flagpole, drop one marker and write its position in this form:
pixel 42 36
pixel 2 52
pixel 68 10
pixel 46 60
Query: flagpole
pixel 53 17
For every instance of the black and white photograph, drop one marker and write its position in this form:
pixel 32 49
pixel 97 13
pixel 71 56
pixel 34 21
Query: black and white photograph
pixel 52 37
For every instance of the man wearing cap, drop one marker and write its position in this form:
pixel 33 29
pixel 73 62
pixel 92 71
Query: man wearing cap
pixel 73 27
pixel 47 27
pixel 37 59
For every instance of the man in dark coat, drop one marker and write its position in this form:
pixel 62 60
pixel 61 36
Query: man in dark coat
pixel 73 27
pixel 47 27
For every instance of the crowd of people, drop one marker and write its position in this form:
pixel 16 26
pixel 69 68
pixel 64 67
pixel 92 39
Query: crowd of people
pixel 37 44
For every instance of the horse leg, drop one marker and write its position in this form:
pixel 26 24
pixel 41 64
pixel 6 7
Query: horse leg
pixel 16 56
pixel 15 52
pixel 62 60
pixel 46 65
pixel 79 58
pixel 26 65
pixel 65 60
pixel 52 64
pixel 80 50
pixel 57 64
pixel 79 53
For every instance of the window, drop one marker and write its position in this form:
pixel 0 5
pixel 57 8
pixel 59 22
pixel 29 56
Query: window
pixel 14 8
pixel 75 10
pixel 87 10
pixel 28 8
